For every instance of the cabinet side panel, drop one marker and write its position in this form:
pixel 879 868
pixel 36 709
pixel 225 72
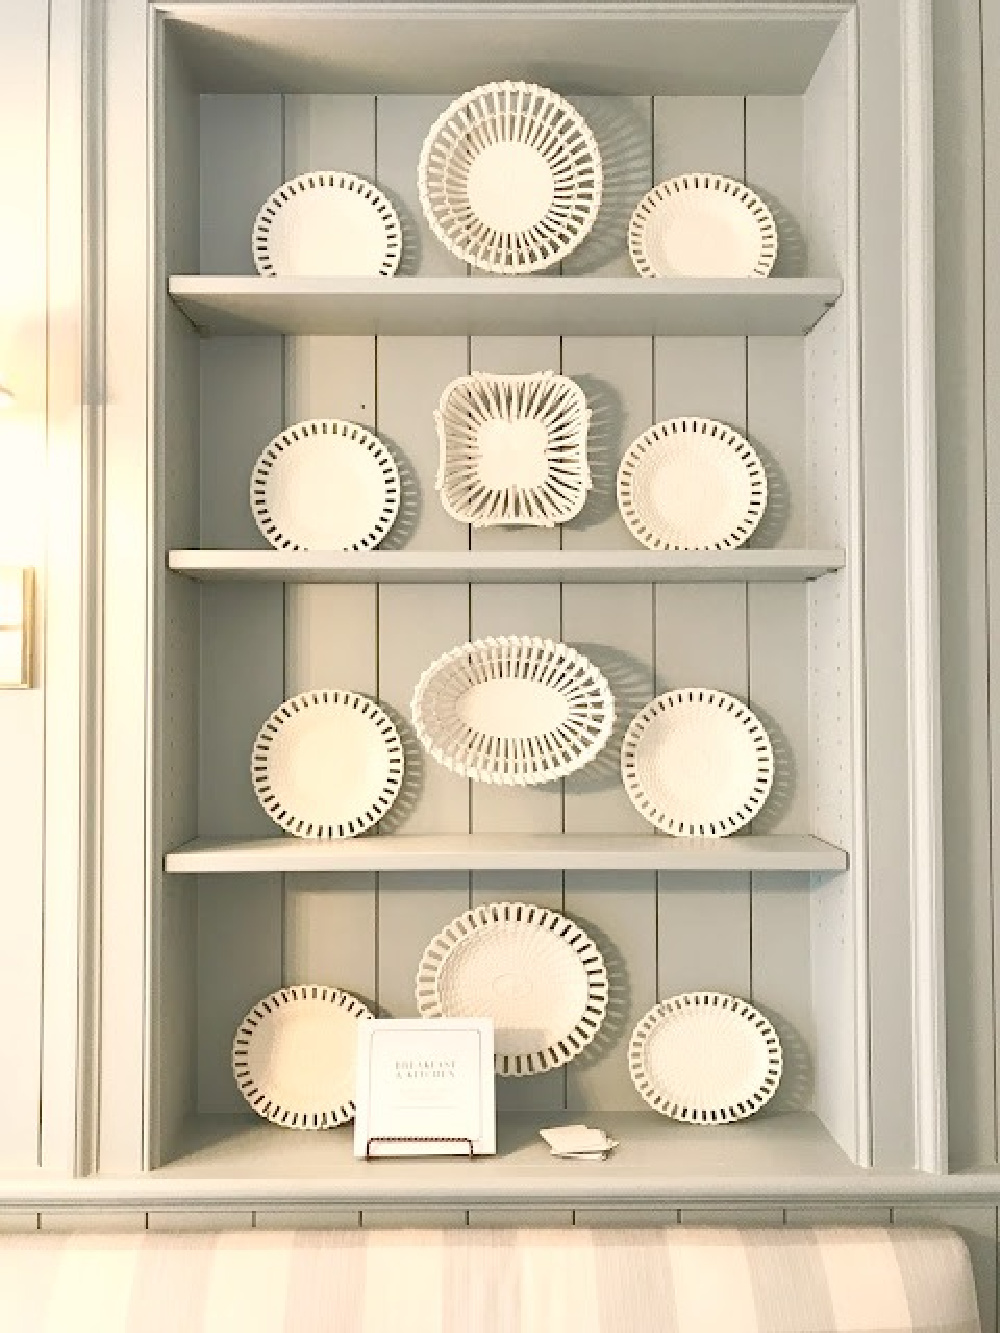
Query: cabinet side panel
pixel 991 356
pixel 241 163
pixel 836 713
pixel 963 488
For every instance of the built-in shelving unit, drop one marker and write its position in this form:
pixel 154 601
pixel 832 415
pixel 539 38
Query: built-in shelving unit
pixel 586 306
pixel 816 909
pixel 587 566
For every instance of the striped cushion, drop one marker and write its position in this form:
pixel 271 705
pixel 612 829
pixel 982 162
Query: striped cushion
pixel 674 1280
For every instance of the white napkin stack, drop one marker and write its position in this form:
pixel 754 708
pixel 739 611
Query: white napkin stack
pixel 578 1143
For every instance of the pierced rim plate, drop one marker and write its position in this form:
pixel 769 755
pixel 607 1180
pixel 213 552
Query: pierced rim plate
pixel 513 711
pixel 327 764
pixel 691 484
pixel 510 177
pixel 295 1053
pixel 325 485
pixel 535 973
pixel 705 1058
pixel 697 763
pixel 327 223
pixel 701 225
pixel 513 449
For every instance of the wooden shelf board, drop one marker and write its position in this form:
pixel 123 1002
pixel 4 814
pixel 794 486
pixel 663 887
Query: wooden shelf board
pixel 630 566
pixel 656 1159
pixel 485 851
pixel 500 305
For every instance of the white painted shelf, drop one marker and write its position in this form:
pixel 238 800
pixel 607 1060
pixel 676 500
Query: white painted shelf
pixel 514 851
pixel 657 1159
pixel 525 305
pixel 632 566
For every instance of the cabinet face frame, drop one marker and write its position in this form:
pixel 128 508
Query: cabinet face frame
pixel 892 1128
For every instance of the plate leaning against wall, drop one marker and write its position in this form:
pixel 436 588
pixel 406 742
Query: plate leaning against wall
pixel 701 225
pixel 513 449
pixel 691 484
pixel 510 177
pixel 295 1053
pixel 514 711
pixel 705 1058
pixel 697 763
pixel 325 485
pixel 327 764
pixel 535 973
pixel 327 223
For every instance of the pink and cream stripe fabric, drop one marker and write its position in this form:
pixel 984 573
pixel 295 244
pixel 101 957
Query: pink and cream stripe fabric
pixel 669 1280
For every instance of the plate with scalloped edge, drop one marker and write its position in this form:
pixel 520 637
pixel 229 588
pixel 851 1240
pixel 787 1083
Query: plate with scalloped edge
pixel 705 1058
pixel 536 973
pixel 294 1056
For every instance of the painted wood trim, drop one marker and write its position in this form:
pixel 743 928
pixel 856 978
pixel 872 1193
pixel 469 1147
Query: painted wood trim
pixel 564 566
pixel 486 851
pixel 490 306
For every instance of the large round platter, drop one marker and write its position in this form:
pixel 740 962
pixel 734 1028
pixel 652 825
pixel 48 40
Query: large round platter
pixel 534 972
pixel 691 484
pixel 327 223
pixel 513 711
pixel 294 1056
pixel 702 226
pixel 510 178
pixel 513 449
pixel 705 1058
pixel 325 485
pixel 697 763
pixel 327 764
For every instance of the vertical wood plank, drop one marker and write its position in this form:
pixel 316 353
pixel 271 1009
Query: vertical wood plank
pixel 776 429
pixel 241 163
pixel 624 132
pixel 838 1215
pixel 698 134
pixel 616 374
pixel 732 1217
pixel 402 124
pixel 701 639
pixel 412 374
pixel 239 918
pixel 331 631
pixel 773 169
pixel 503 610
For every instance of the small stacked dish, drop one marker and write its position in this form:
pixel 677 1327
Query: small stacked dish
pixel 513 711
pixel 295 1056
pixel 513 449
pixel 535 973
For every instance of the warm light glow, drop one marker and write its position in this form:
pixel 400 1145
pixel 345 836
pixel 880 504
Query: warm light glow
pixel 17 597
pixel 22 482
pixel 6 398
